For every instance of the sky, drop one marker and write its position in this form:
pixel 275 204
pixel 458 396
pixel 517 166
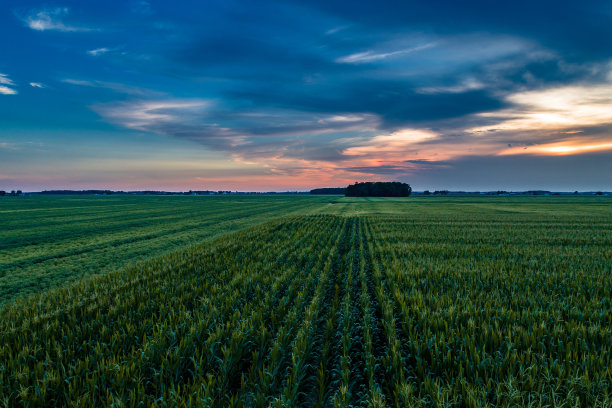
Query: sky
pixel 294 95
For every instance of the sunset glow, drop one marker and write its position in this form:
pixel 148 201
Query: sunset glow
pixel 559 149
pixel 556 109
pixel 292 96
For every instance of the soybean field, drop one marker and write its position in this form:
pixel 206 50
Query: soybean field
pixel 341 302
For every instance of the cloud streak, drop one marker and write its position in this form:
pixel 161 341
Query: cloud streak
pixel 5 90
pixel 98 51
pixel 52 20
pixel 112 86
pixel 564 107
pixel 371 56
pixel 246 133
pixel 6 85
pixel 5 80
pixel 149 115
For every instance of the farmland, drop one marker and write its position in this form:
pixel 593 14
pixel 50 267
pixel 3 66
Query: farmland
pixel 470 301
pixel 50 241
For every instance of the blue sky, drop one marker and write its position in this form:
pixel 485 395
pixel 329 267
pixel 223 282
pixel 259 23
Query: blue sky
pixel 300 94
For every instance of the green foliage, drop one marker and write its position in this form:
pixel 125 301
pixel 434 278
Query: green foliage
pixel 47 242
pixel 378 189
pixel 475 303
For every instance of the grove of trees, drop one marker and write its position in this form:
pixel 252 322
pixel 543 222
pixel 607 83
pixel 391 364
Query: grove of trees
pixel 379 189
pixel 328 190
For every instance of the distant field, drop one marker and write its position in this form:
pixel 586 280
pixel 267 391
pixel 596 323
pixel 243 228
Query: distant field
pixel 589 209
pixel 50 241
pixel 424 301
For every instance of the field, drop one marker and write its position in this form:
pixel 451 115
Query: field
pixel 49 241
pixel 426 301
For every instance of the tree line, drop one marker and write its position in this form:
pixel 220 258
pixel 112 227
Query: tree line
pixel 13 193
pixel 379 189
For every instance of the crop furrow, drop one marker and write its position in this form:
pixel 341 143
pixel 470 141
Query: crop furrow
pixel 121 316
pixel 306 350
pixel 267 379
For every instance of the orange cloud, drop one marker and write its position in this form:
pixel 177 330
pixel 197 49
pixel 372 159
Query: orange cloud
pixel 560 148
pixel 557 108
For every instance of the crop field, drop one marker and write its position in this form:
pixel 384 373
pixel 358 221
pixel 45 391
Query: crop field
pixel 336 302
pixel 50 241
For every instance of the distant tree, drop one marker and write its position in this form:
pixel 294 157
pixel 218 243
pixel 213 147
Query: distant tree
pixel 2 193
pixel 328 190
pixel 379 189
pixel 426 192
pixel 13 194
pixel 576 192
pixel 18 192
pixel 441 192
pixel 599 193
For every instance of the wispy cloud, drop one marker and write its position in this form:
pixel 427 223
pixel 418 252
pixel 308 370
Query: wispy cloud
pixel 142 7
pixel 113 86
pixel 395 145
pixel 370 55
pixel 37 85
pixel 427 162
pixel 251 136
pixel 293 143
pixel 8 146
pixel 560 108
pixel 380 170
pixel 562 148
pixel 98 51
pixel 467 85
pixel 198 112
pixel 150 115
pixel 336 29
pixel 79 82
pixel 5 80
pixel 5 85
pixel 51 19
pixel 5 90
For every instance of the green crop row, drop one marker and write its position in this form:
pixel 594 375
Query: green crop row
pixel 47 242
pixel 333 311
